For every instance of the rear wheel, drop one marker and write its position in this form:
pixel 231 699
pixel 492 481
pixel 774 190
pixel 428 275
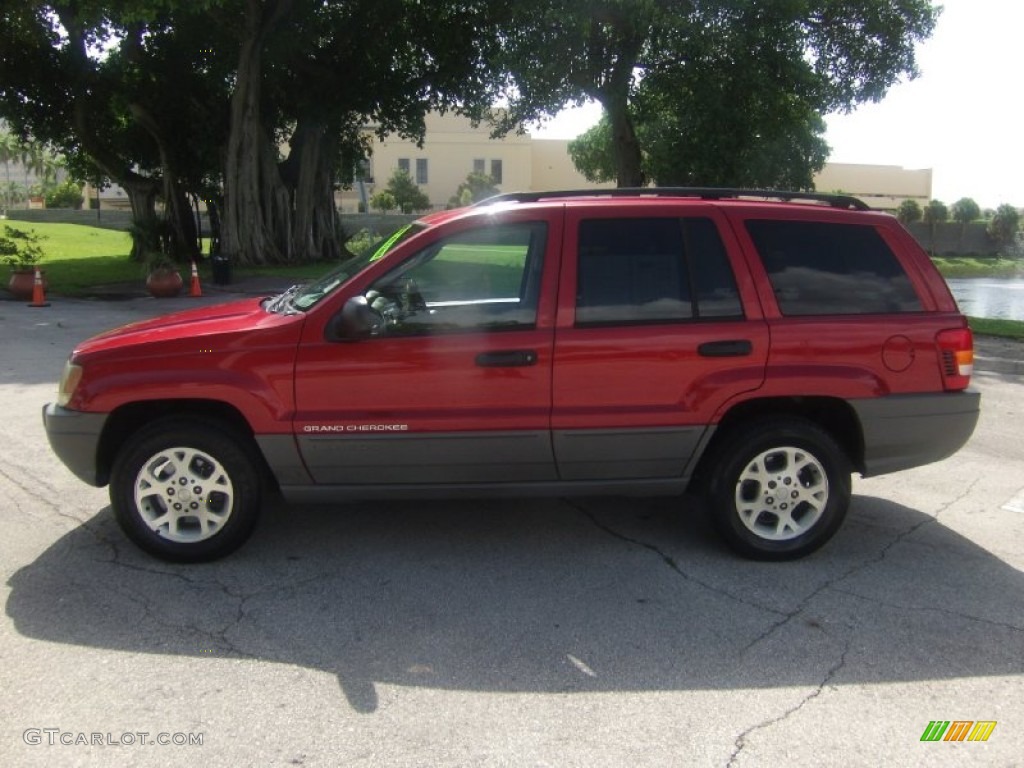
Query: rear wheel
pixel 778 488
pixel 186 491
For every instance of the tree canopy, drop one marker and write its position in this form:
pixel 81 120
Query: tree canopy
pixel 909 211
pixel 259 107
pixel 406 195
pixel 255 105
pixel 476 187
pixel 711 92
pixel 1004 224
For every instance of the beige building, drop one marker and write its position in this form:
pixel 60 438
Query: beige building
pixel 880 186
pixel 453 149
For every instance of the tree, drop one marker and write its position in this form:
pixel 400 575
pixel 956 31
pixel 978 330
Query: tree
pixel 407 196
pixel 593 154
pixel 116 93
pixel 909 211
pixel 964 211
pixel 760 74
pixel 8 152
pixel 935 213
pixel 476 187
pixel 1004 224
pixel 178 100
pixel 421 57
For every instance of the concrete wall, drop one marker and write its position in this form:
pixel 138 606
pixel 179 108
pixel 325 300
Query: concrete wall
pixel 950 240
pixel 108 219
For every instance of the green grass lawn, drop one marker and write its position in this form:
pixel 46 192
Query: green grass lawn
pixel 978 266
pixel 1007 329
pixel 78 258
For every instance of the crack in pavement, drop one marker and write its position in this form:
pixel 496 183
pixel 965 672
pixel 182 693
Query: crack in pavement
pixel 199 586
pixel 857 568
pixel 929 609
pixel 741 741
pixel 665 558
pixel 46 501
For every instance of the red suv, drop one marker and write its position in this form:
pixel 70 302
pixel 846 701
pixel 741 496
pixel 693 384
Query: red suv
pixel 756 346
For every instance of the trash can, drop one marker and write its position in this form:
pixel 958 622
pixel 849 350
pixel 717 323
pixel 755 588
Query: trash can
pixel 221 267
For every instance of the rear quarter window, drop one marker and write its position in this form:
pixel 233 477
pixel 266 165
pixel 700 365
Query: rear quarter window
pixel 825 268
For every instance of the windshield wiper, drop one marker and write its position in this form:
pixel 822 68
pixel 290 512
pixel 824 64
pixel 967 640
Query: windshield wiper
pixel 281 302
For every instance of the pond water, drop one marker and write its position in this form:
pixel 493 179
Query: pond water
pixel 987 297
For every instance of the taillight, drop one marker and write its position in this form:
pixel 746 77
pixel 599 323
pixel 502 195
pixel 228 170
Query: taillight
pixel 956 347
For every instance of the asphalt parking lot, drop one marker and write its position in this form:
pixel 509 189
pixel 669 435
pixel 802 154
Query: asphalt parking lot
pixel 564 632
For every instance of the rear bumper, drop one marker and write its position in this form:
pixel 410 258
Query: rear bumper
pixel 904 431
pixel 75 438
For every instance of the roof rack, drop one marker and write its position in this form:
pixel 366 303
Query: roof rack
pixel 704 193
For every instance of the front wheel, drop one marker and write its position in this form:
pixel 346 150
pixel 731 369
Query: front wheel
pixel 186 491
pixel 778 489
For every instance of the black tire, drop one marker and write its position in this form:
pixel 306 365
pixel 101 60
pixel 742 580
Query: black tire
pixel 185 490
pixel 778 489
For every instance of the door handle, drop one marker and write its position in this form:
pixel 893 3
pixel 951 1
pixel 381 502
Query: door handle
pixel 507 359
pixel 730 348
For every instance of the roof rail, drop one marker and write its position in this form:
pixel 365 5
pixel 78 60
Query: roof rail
pixel 704 193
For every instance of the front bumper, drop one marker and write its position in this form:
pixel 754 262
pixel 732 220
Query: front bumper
pixel 75 438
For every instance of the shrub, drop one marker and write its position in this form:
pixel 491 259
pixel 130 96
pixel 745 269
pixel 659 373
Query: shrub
pixel 360 241
pixel 66 195
pixel 383 201
pixel 20 249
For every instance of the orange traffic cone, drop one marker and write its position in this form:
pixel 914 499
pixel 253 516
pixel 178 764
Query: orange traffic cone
pixel 194 288
pixel 38 294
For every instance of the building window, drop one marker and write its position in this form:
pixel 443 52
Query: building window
pixel 403 164
pixel 421 170
pixel 496 171
pixel 479 166
pixel 365 171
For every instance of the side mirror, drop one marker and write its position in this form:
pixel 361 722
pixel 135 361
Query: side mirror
pixel 358 320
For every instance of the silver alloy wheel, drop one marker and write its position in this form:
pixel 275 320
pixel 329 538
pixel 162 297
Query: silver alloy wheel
pixel 184 495
pixel 782 493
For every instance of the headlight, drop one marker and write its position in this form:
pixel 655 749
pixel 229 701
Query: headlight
pixel 69 379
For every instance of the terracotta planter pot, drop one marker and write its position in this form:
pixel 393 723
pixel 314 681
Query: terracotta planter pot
pixel 164 283
pixel 22 281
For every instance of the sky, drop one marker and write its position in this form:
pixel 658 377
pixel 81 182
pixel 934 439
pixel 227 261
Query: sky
pixel 963 117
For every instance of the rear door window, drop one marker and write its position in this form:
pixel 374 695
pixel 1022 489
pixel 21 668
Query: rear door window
pixel 652 270
pixel 824 268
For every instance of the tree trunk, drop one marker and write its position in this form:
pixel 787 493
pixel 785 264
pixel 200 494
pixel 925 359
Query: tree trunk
pixel 256 206
pixel 142 197
pixel 308 172
pixel 183 237
pixel 613 95
pixel 141 190
pixel 625 146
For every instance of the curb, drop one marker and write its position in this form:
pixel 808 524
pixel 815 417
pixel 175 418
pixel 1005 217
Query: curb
pixel 993 354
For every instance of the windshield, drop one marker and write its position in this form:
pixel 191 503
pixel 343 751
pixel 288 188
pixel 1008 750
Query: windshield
pixel 306 296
